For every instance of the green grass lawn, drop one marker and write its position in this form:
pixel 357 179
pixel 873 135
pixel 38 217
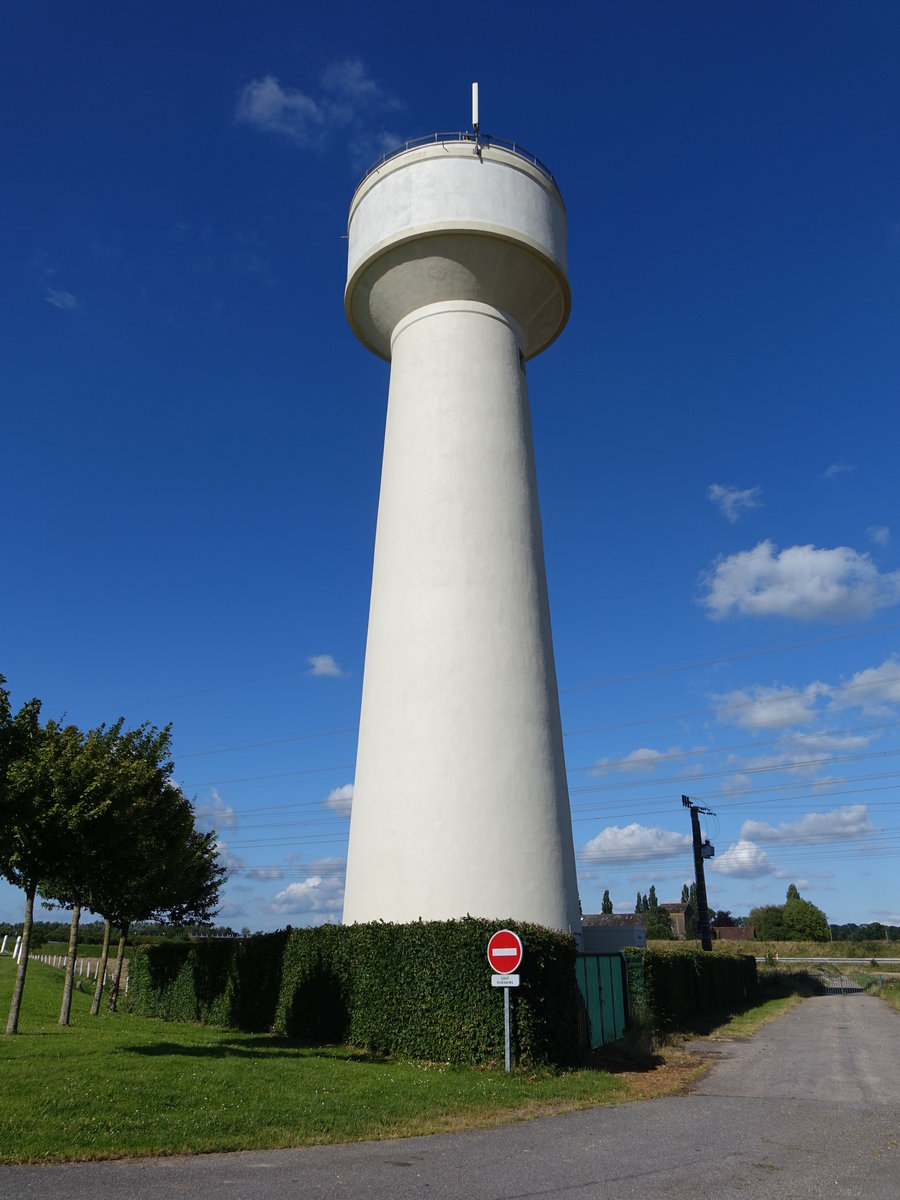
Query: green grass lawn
pixel 123 1085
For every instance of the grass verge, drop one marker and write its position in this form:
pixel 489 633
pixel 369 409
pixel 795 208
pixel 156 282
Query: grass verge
pixel 745 1024
pixel 121 1085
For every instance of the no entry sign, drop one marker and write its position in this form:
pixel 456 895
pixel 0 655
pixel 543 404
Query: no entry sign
pixel 505 952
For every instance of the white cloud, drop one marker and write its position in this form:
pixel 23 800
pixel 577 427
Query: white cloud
pixel 737 784
pixel 215 813
pixel 879 534
pixel 347 98
pixel 848 822
pixel 635 843
pixel 228 860
pixel 742 860
pixel 265 873
pixel 64 300
pixel 643 759
pixel 768 707
pixel 287 111
pixel 41 265
pixel 820 744
pixel 347 78
pixel 315 900
pixel 802 582
pixel 340 799
pixel 836 469
pixel 733 501
pixel 804 754
pixel 324 664
pixel 874 690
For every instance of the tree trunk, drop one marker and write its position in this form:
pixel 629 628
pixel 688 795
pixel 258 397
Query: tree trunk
pixel 117 976
pixel 101 970
pixel 70 966
pixel 12 1025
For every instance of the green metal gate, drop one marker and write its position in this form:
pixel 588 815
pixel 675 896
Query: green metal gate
pixel 601 981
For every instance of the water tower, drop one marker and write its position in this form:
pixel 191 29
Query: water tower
pixel 457 276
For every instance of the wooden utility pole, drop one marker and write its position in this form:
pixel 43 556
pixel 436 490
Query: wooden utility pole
pixel 702 850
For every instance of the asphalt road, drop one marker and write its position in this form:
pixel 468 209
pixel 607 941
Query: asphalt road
pixel 809 1107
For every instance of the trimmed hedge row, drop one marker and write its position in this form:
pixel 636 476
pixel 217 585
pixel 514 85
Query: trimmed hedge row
pixel 235 982
pixel 421 990
pixel 671 989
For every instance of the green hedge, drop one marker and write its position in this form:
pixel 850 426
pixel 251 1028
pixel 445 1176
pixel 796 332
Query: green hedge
pixel 421 990
pixel 673 989
pixel 233 982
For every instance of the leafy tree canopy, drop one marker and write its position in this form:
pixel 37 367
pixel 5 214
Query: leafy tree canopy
pixel 797 920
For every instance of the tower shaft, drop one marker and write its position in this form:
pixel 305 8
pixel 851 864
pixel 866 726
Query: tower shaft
pixel 460 802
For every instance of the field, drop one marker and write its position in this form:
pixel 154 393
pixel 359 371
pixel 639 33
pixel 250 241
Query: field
pixel 862 950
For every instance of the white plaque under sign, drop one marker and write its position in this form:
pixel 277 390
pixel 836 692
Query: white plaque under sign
pixel 504 981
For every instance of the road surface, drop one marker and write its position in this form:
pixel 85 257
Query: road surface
pixel 808 1108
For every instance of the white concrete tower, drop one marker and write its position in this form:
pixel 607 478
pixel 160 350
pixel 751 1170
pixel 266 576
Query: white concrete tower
pixel 457 275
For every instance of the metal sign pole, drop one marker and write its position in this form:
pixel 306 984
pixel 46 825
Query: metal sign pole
pixel 505 953
pixel 506 1026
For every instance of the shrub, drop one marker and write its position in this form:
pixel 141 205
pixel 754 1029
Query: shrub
pixel 217 982
pixel 671 990
pixel 421 989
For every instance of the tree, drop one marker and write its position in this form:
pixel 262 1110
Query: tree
pixel 35 804
pixel 768 922
pixel 692 912
pixel 797 920
pixel 90 770
pixel 803 921
pixel 873 932
pixel 659 926
pixel 17 735
pixel 606 905
pixel 158 866
pixel 659 923
pixel 723 918
pixel 180 884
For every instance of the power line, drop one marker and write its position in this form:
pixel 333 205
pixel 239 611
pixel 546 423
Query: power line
pixel 699 664
pixel 704 751
pixel 826 690
pixel 679 780
pixel 672 756
pixel 276 775
pixel 750 803
pixel 279 741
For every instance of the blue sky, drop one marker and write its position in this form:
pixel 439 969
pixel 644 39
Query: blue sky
pixel 191 436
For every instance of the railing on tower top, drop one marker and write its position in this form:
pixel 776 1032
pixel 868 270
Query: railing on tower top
pixel 484 140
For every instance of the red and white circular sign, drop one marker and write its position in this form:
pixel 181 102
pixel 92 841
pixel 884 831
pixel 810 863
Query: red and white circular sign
pixel 505 952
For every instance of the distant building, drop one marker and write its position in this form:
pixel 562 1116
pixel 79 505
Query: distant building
pixel 605 933
pixel 676 912
pixel 734 933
